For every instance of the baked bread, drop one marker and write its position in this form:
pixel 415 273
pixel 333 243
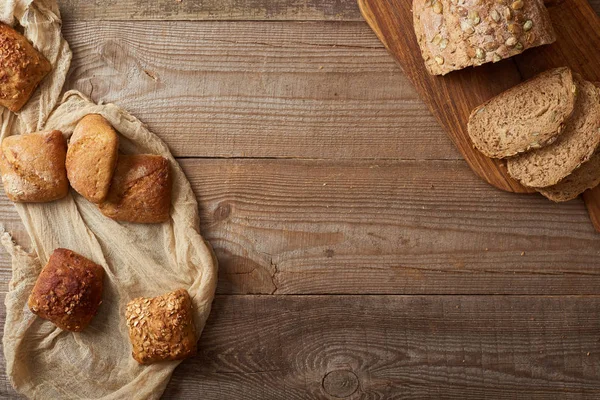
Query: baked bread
pixel 22 68
pixel 161 328
pixel 528 116
pixel 68 291
pixel 33 167
pixel 454 35
pixel 140 190
pixel 549 165
pixel 92 157
pixel 583 178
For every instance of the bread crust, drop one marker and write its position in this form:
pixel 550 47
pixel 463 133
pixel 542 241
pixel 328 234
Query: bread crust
pixel 92 157
pixel 22 68
pixel 68 291
pixel 140 190
pixel 454 34
pixel 33 167
pixel 161 328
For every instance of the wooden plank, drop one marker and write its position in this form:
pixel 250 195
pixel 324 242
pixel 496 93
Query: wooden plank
pixel 246 89
pixel 388 347
pixel 404 227
pixel 263 10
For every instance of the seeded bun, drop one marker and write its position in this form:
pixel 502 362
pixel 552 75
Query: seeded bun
pixel 22 68
pixel 161 328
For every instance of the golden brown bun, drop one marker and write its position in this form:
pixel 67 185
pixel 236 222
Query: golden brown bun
pixel 33 167
pixel 140 190
pixel 68 291
pixel 161 328
pixel 92 157
pixel 22 68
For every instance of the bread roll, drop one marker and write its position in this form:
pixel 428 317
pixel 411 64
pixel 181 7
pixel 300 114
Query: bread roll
pixel 161 328
pixel 22 68
pixel 140 190
pixel 92 157
pixel 68 291
pixel 33 167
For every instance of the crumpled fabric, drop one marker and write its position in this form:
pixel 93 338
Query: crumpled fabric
pixel 42 361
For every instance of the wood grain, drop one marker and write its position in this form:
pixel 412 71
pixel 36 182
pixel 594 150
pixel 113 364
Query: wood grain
pixel 257 10
pixel 247 89
pixel 261 10
pixel 397 347
pixel 388 347
pixel 404 227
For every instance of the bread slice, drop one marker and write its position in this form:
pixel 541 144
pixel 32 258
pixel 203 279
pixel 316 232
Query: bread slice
pixel 528 116
pixel 583 178
pixel 550 165
pixel 453 35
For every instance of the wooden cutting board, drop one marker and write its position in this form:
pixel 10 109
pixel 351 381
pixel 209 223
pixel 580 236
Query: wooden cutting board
pixel 451 98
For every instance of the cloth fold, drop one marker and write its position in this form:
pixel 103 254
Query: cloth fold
pixel 43 362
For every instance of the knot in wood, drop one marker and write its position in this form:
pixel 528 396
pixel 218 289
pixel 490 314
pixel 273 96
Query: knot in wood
pixel 222 212
pixel 340 383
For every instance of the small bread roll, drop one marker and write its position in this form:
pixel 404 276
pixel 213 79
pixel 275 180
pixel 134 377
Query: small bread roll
pixel 92 157
pixel 68 291
pixel 33 167
pixel 161 328
pixel 22 68
pixel 140 190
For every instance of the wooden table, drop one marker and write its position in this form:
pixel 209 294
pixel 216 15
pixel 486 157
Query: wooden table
pixel 359 256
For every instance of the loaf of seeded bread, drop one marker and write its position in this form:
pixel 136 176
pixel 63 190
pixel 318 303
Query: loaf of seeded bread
pixel 92 157
pixel 22 68
pixel 457 34
pixel 527 116
pixel 581 137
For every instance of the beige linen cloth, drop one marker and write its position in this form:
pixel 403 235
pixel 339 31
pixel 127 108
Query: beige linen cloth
pixel 42 361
